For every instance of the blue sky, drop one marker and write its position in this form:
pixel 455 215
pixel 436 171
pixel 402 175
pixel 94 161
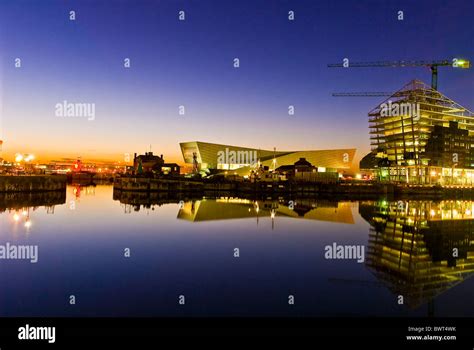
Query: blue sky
pixel 190 63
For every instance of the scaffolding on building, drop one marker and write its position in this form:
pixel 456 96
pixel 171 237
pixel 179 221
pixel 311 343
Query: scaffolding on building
pixel 401 126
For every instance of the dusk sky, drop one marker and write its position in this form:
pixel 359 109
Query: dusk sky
pixel 190 63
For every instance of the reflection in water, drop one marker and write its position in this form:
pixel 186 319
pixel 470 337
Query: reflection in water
pixel 229 207
pixel 420 249
pixel 21 206
pixel 78 190
pixel 237 208
pixel 148 200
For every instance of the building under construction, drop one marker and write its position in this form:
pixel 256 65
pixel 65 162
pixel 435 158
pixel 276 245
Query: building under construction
pixel 420 136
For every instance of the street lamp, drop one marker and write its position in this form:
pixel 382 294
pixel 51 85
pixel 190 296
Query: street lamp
pixel 29 157
pixel 26 158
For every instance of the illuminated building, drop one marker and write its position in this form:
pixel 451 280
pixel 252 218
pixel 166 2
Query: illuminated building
pixel 241 160
pixel 450 146
pixel 170 168
pixel 403 133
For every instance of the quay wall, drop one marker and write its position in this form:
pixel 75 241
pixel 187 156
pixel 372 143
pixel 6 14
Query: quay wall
pixel 301 189
pixel 137 184
pixel 182 185
pixel 32 183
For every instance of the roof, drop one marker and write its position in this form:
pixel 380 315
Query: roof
pixel 208 153
pixel 303 161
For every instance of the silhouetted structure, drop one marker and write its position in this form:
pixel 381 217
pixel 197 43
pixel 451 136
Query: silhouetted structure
pixel 148 162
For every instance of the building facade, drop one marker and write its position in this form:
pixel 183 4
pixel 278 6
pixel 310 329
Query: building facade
pixel 420 136
pixel 211 157
pixel 450 147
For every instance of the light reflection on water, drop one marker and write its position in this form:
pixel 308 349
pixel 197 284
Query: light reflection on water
pixel 185 246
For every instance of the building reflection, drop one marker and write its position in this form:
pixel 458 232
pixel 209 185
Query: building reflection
pixel 79 190
pixel 420 249
pixel 228 207
pixel 138 200
pixel 21 205
pixel 225 208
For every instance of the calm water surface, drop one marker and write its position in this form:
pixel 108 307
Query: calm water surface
pixel 187 249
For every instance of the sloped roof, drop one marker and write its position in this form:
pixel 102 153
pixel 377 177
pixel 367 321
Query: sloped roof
pixel 417 91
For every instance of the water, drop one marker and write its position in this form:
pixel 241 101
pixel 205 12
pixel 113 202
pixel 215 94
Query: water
pixel 187 249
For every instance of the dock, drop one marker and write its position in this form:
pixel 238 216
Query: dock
pixel 32 183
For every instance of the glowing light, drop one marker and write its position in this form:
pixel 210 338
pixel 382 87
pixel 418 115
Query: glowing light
pixel 16 217
pixel 358 176
pixel 18 158
pixel 468 212
pixel 24 213
pixel 432 212
pixel 28 224
pixel 460 63
pixel 434 173
pixel 29 158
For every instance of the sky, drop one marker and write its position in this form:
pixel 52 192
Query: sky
pixel 190 63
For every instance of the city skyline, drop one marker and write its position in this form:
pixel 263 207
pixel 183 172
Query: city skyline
pixel 296 167
pixel 190 63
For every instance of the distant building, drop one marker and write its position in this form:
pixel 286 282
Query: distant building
pixel 303 166
pixel 150 163
pixel 304 171
pixel 450 147
pixel 211 157
pixel 300 166
pixel 147 163
pixel 170 169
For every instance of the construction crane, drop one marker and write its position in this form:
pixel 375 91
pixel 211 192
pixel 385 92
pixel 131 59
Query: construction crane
pixel 361 94
pixel 433 65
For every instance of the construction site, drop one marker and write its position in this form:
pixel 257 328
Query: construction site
pixel 417 134
pixel 435 144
